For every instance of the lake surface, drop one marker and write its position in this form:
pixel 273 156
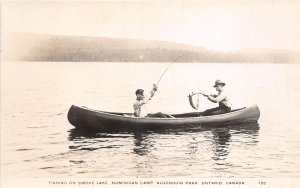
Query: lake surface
pixel 38 141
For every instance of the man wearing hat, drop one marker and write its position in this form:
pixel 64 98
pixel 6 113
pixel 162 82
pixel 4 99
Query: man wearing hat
pixel 221 98
pixel 139 105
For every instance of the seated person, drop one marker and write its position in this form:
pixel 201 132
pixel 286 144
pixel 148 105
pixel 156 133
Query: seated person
pixel 140 103
pixel 221 98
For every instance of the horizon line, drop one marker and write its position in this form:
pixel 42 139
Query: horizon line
pixel 151 40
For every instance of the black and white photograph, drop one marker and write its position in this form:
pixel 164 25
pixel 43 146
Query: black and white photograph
pixel 150 93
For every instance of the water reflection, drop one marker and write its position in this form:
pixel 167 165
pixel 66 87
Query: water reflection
pixel 144 157
pixel 222 138
pixel 141 139
pixel 221 135
pixel 221 141
pixel 87 140
pixel 142 143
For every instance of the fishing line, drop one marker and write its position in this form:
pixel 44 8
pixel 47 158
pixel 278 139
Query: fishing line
pixel 169 67
pixel 175 60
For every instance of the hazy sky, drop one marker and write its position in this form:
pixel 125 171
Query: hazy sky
pixel 220 25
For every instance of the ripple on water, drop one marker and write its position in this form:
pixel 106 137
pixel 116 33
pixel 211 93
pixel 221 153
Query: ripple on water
pixel 25 149
pixel 48 167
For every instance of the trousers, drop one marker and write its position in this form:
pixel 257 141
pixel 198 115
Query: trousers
pixel 216 111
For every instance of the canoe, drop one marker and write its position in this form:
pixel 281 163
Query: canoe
pixel 85 118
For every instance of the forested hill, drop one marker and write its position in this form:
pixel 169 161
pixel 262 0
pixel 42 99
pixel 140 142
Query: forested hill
pixel 42 47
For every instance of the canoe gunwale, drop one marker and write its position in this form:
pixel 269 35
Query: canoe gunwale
pixel 156 118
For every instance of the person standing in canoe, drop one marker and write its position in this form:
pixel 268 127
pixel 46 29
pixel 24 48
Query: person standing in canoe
pixel 221 98
pixel 139 105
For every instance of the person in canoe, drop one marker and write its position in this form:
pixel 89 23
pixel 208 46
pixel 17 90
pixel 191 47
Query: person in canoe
pixel 221 98
pixel 139 105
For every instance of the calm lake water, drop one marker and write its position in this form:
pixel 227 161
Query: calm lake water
pixel 38 141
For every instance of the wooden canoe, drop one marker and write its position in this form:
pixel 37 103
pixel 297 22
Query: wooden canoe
pixel 85 118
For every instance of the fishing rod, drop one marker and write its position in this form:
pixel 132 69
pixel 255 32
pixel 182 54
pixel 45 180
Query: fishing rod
pixel 169 67
pixel 164 72
pixel 154 88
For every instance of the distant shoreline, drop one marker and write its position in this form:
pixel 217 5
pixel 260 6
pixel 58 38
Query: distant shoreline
pixel 57 48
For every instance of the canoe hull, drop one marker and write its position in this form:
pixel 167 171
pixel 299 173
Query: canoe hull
pixel 85 118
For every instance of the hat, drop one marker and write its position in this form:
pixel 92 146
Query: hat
pixel 139 92
pixel 219 82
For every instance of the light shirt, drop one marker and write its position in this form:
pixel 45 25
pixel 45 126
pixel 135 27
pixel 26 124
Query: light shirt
pixel 221 98
pixel 139 108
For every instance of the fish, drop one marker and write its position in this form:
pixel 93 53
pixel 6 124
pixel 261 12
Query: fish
pixel 194 100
